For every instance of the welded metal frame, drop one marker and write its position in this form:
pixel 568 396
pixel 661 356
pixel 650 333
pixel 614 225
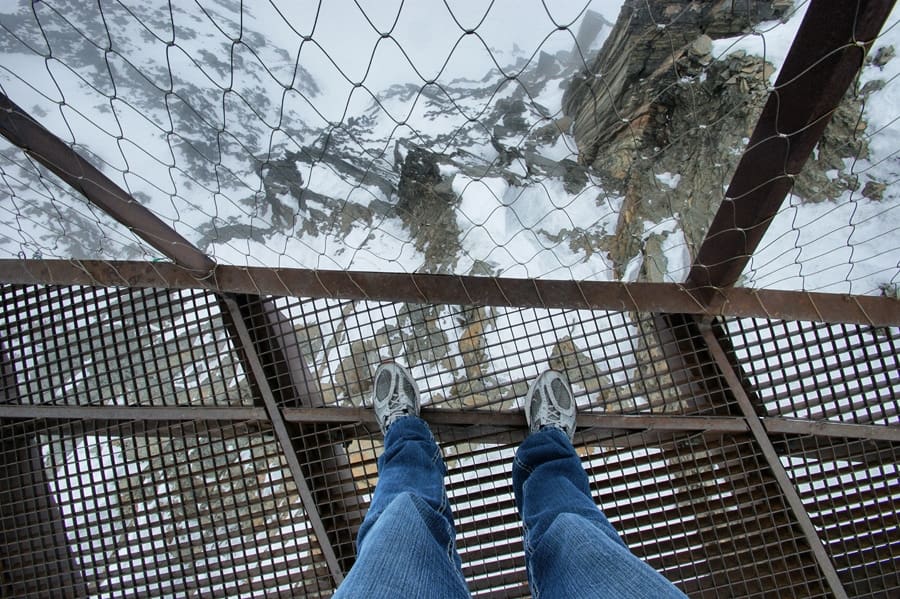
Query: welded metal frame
pixel 768 450
pixel 829 47
pixel 284 380
pixel 663 298
pixel 824 58
pixel 261 381
pixel 473 421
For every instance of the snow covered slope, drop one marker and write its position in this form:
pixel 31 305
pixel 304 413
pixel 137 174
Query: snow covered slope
pixel 273 134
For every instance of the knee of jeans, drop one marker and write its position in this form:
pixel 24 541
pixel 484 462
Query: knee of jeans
pixel 568 528
pixel 578 555
pixel 568 521
pixel 412 503
pixel 430 512
pixel 438 522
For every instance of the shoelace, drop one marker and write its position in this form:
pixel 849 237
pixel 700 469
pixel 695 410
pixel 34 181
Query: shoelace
pixel 394 401
pixel 554 416
pixel 553 413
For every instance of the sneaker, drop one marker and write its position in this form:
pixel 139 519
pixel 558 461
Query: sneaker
pixel 550 403
pixel 395 394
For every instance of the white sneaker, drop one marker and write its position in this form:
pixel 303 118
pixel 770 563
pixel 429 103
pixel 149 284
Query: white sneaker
pixel 394 394
pixel 550 403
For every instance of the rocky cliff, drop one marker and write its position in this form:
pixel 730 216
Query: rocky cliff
pixel 604 160
pixel 660 118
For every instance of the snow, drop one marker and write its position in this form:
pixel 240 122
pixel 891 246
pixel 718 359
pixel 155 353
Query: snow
pixel 129 524
pixel 771 39
pixel 678 256
pixel 324 179
pixel 564 147
pixel 145 101
pixel 514 227
pixel 670 180
pixel 844 246
pixel 152 85
pixel 795 367
pixel 187 91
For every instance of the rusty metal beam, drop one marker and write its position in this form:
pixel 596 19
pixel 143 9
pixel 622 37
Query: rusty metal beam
pixel 447 417
pixel 59 157
pixel 759 433
pixel 163 429
pixel 143 413
pixel 34 550
pixel 324 463
pixel 838 430
pixel 442 417
pixel 825 56
pixel 449 289
pixel 262 382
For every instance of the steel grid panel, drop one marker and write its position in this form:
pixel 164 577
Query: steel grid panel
pixel 198 510
pixel 470 357
pixel 722 511
pixel 851 489
pixel 117 346
pixel 702 508
pixel 820 371
pixel 698 501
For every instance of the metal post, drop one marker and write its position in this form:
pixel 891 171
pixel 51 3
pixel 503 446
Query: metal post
pixel 768 450
pixel 825 56
pixel 284 437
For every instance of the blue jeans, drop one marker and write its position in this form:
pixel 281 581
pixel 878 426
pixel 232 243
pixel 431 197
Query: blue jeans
pixel 406 544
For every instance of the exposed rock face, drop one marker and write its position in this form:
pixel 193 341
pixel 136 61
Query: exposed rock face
pixel 652 46
pixel 427 206
pixel 659 118
pixel 281 178
pixel 663 121
pixel 825 175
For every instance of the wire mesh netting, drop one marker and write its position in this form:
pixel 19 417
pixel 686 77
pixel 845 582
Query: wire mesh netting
pixel 611 190
pixel 340 136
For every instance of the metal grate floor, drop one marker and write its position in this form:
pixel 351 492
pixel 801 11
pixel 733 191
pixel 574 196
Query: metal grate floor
pixel 142 454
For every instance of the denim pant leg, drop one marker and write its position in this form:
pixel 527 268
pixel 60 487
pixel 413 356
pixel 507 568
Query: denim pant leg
pixel 571 549
pixel 406 546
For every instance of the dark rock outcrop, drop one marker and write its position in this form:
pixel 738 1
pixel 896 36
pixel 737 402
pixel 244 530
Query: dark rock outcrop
pixel 659 118
pixel 427 206
pixel 653 45
pixel 662 121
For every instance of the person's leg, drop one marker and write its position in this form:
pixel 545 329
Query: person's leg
pixel 571 549
pixel 406 545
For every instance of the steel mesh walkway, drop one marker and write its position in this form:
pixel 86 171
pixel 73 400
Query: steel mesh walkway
pixel 180 427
